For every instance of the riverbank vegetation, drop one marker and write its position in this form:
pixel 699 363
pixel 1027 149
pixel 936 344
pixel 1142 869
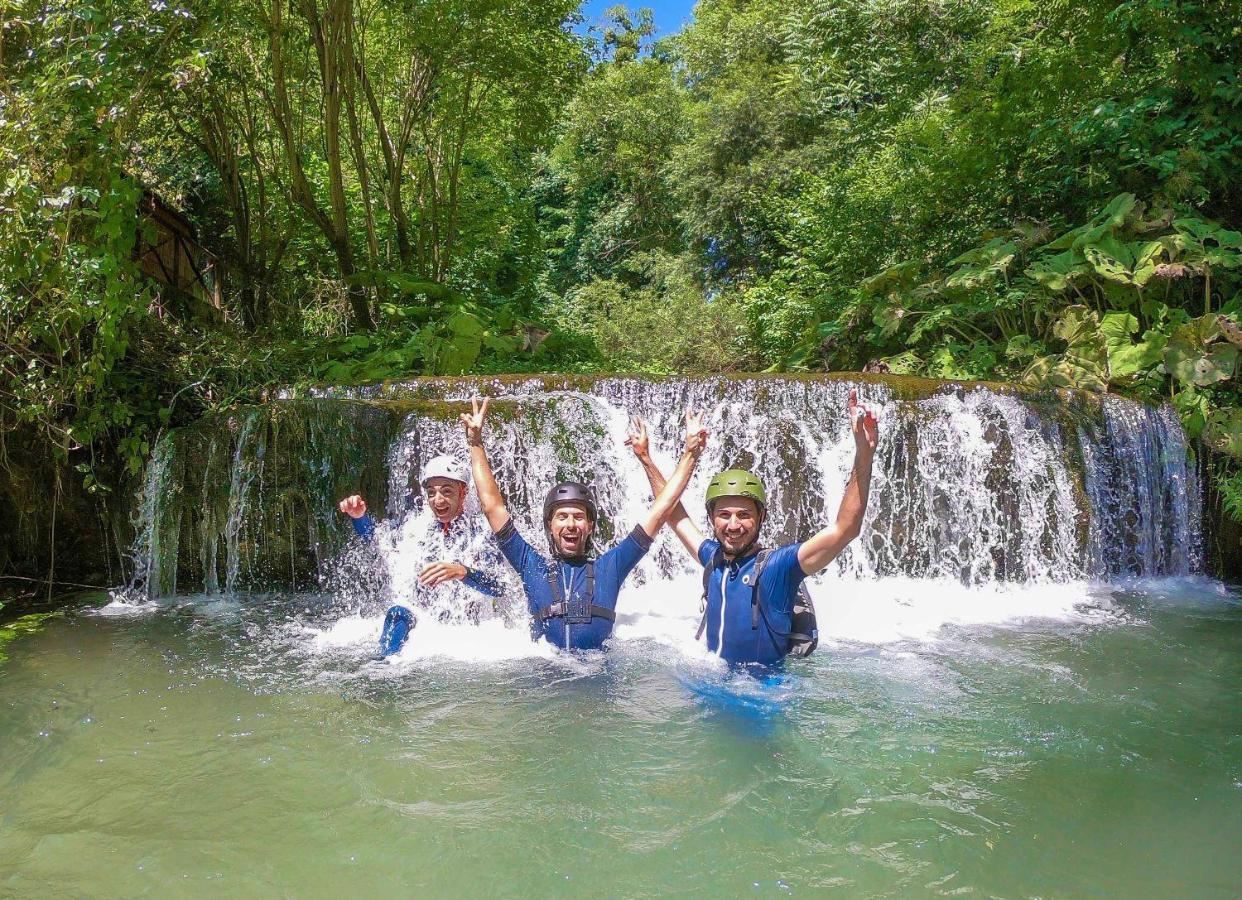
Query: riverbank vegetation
pixel 1042 192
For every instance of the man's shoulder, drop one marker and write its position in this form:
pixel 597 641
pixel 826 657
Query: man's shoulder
pixel 708 550
pixel 629 544
pixel 514 546
pixel 779 560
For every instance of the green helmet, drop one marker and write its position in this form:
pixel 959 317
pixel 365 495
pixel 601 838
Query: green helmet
pixel 736 483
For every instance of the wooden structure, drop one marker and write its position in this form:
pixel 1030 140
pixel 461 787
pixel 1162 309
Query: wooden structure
pixel 168 252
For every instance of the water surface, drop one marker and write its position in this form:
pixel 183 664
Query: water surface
pixel 1084 745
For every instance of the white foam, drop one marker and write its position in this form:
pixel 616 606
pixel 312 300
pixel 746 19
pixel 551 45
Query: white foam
pixel 902 609
pixel 123 604
pixel 490 641
pixel 876 611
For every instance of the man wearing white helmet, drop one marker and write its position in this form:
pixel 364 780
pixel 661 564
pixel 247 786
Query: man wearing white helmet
pixel 455 545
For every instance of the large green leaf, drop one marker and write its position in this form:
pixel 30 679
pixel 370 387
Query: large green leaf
pixel 1147 256
pixel 983 264
pixel 1202 231
pixel 929 322
pixel 907 363
pixel 1057 272
pixel 893 278
pixel 1193 408
pixel 1116 328
pixel 1207 243
pixel 1142 357
pixel 404 283
pixel 1108 220
pixel 888 317
pixel 1193 362
pixel 1130 263
pixel 1084 364
pixel 1200 331
pixel 463 344
pixel 1023 346
pixel 1067 371
pixel 1224 431
pixel 1077 325
pixel 1065 241
pixel 1230 330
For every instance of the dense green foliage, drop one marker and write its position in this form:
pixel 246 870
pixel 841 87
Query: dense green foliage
pixel 1046 192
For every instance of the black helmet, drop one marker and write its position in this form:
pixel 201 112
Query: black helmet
pixel 569 492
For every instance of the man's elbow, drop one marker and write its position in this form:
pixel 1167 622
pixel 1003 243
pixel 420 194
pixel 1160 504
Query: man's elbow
pixel 850 529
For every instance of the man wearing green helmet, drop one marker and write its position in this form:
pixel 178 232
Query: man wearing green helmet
pixel 750 594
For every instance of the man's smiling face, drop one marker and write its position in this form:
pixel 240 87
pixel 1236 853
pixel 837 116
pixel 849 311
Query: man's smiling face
pixel 446 498
pixel 571 527
pixel 736 522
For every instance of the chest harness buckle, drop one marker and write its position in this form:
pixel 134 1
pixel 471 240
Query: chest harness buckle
pixel 577 610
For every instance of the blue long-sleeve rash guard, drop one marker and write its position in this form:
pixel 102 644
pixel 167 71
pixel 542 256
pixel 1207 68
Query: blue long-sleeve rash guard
pixel 364 527
pixel 611 570
pixel 729 629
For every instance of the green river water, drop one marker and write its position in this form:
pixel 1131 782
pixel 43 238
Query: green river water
pixel 213 748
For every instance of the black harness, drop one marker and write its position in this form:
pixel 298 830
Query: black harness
pixel 579 611
pixel 804 637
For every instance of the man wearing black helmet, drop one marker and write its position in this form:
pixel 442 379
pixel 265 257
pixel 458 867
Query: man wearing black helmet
pixel 752 612
pixel 572 598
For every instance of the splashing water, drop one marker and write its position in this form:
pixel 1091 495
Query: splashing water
pixel 987 505
pixel 1087 745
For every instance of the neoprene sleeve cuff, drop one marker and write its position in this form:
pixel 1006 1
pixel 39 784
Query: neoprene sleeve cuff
pixel 364 526
pixel 507 532
pixel 641 538
pixel 482 582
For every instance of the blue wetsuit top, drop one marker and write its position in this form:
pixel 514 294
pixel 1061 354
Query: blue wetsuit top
pixel 731 635
pixel 610 571
pixel 364 527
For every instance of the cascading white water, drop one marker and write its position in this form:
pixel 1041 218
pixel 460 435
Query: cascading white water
pixel 985 503
pixel 1144 493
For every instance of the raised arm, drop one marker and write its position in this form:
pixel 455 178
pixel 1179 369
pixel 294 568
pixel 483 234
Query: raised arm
pixel 670 495
pixel 356 508
pixel 689 535
pixel 823 547
pixel 492 503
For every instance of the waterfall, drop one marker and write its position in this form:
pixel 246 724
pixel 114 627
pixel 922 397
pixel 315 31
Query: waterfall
pixel 973 484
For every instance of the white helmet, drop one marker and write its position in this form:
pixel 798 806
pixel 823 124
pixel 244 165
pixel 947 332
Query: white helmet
pixel 445 467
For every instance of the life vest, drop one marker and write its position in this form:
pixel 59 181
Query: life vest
pixel 575 612
pixel 804 636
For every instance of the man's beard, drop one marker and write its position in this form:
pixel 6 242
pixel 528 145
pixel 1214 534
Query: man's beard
pixel 743 543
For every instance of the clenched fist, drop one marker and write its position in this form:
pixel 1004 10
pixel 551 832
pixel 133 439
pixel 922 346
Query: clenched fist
pixel 354 507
